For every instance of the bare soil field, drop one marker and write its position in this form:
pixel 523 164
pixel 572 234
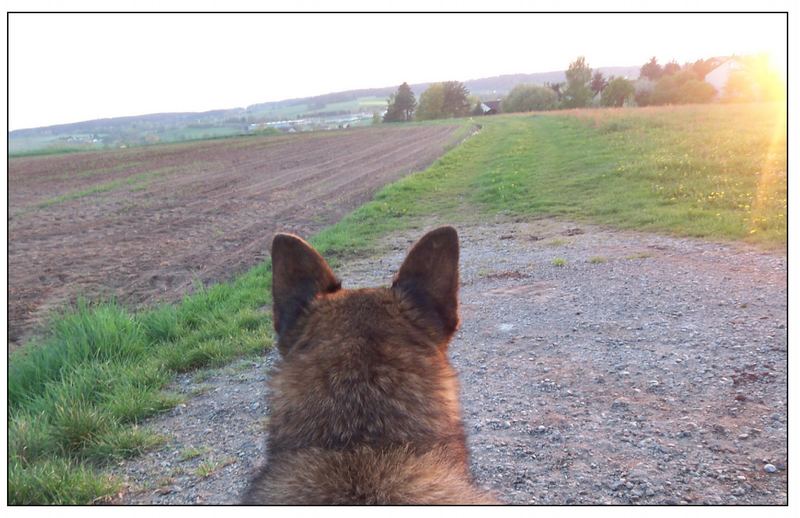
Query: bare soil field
pixel 640 369
pixel 145 224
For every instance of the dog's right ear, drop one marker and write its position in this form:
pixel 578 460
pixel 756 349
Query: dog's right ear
pixel 299 274
pixel 429 277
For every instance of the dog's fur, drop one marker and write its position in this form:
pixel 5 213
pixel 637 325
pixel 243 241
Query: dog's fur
pixel 364 401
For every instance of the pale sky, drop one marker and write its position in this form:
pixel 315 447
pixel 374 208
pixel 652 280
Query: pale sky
pixel 73 67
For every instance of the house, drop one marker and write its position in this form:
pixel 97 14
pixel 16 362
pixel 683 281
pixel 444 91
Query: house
pixel 490 107
pixel 718 77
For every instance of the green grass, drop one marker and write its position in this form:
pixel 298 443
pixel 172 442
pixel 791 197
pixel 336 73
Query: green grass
pixel 715 171
pixel 208 467
pixel 192 452
pixel 56 480
pixel 47 151
pixel 559 262
pixel 136 181
pixel 75 396
pixel 103 171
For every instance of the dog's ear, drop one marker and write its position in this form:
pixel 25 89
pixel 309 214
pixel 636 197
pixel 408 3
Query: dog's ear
pixel 299 274
pixel 429 276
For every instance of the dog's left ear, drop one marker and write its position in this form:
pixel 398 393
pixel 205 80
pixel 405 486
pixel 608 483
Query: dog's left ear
pixel 429 276
pixel 299 274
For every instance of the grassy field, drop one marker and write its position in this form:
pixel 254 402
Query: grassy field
pixel 716 171
pixel 297 110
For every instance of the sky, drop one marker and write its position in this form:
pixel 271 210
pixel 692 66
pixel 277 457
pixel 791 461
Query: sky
pixel 74 67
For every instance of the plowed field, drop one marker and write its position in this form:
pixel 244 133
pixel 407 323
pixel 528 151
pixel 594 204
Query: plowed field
pixel 144 224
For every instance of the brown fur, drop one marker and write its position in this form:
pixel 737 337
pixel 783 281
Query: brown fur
pixel 364 401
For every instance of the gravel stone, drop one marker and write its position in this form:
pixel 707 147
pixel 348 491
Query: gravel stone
pixel 582 399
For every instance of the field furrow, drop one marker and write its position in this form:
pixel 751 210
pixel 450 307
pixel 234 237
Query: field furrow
pixel 143 225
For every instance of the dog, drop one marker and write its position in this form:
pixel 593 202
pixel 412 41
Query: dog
pixel 364 400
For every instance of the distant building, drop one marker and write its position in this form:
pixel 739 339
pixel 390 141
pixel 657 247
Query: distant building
pixel 490 107
pixel 718 77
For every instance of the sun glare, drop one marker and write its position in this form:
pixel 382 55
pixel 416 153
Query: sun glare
pixel 773 75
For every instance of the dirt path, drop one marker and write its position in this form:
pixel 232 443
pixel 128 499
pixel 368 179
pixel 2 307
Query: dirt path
pixel 647 369
pixel 144 224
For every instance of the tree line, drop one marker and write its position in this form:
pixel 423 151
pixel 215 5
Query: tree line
pixel 671 83
pixel 438 101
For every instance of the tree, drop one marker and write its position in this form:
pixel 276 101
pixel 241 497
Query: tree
pixel 401 105
pixel 475 102
pixel 525 98
pixel 702 67
pixel 578 94
pixel 598 82
pixel 617 92
pixel 431 102
pixel 557 88
pixel 651 70
pixel 391 115
pixel 739 88
pixel 671 68
pixel 444 100
pixel 682 88
pixel 456 99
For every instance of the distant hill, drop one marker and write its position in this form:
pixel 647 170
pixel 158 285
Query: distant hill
pixel 499 85
pixel 135 121
pixel 171 127
pixel 503 84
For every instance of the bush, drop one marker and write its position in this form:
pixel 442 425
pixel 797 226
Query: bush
pixel 682 88
pixel 443 101
pixel 617 92
pixel 526 98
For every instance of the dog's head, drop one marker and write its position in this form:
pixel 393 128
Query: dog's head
pixel 356 363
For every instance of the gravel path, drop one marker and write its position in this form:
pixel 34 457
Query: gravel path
pixel 646 369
